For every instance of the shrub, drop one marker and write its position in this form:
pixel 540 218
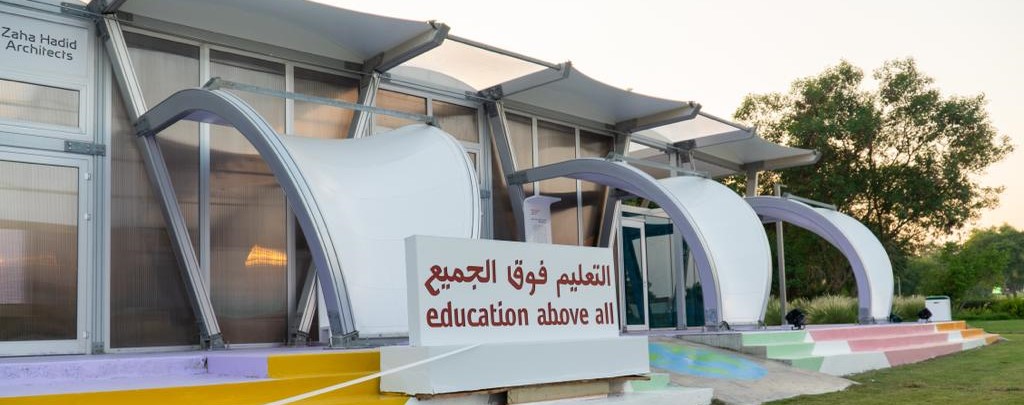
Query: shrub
pixel 772 316
pixel 981 314
pixel 832 309
pixel 1014 307
pixel 907 307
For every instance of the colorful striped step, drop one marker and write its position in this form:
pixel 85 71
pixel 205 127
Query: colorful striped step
pixel 853 349
pixel 232 378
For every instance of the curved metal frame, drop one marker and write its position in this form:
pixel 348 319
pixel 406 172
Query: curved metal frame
pixel 773 209
pixel 634 181
pixel 223 108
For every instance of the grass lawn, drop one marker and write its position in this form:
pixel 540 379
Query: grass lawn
pixel 989 375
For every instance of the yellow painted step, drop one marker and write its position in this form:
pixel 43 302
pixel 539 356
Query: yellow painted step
pixel 972 333
pixel 950 326
pixel 325 363
pixel 254 392
pixel 991 338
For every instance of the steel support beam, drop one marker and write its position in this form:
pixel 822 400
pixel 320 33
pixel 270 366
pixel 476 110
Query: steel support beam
pixel 306 307
pixel 752 174
pixel 407 50
pixel 530 81
pixel 362 122
pixel 156 168
pixel 655 120
pixel 780 247
pixel 500 136
pixel 610 213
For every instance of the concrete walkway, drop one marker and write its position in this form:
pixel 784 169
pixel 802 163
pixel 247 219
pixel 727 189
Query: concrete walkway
pixel 737 378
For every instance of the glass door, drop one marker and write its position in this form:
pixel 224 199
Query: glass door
pixel 634 274
pixel 43 253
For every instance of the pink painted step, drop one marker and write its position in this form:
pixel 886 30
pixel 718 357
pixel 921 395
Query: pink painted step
pixel 866 332
pixel 915 354
pixel 882 343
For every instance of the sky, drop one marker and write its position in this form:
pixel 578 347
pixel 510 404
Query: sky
pixel 716 52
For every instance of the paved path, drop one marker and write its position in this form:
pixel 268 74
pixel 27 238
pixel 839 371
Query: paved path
pixel 736 378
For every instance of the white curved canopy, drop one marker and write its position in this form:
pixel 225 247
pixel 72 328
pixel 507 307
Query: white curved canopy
pixel 733 236
pixel 356 200
pixel 378 190
pixel 871 266
pixel 724 234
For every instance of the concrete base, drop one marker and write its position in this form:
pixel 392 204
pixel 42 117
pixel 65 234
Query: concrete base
pixel 500 365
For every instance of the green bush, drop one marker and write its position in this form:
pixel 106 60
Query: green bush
pixel 832 309
pixel 907 307
pixel 1013 307
pixel 981 314
pixel 992 309
pixel 772 316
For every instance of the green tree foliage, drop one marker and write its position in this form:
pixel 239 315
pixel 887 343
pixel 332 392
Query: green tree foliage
pixel 1009 241
pixel 967 271
pixel 902 158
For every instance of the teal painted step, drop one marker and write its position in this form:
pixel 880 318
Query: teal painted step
pixel 787 350
pixel 657 382
pixel 811 363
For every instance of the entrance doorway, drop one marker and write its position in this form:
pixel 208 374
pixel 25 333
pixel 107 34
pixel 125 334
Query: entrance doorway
pixel 660 289
pixel 44 253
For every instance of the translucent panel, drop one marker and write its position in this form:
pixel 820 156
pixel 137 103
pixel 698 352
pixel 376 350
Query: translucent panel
pixel 557 143
pixel 248 239
pixel 149 305
pixel 594 195
pixel 319 120
pixel 504 219
pixel 256 72
pixel 38 251
pixel 394 100
pixel 520 135
pixel 632 271
pixel 661 273
pixel 29 102
pixel 692 291
pixel 461 122
pixel 476 67
pixel 473 160
pixel 164 68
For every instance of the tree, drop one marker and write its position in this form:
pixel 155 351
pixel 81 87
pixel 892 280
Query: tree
pixel 968 271
pixel 901 158
pixel 1010 241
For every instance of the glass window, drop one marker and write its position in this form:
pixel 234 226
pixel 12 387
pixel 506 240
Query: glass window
pixel 557 143
pixel 594 195
pixel 38 251
pixel 394 100
pixel 661 273
pixel 457 120
pixel 520 134
pixel 149 305
pixel 319 120
pixel 248 239
pixel 27 102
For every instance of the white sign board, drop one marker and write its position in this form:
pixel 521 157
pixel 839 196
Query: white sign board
pixel 43 47
pixel 537 210
pixel 464 291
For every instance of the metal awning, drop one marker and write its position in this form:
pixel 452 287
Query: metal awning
pixel 719 147
pixel 299 25
pixel 555 93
